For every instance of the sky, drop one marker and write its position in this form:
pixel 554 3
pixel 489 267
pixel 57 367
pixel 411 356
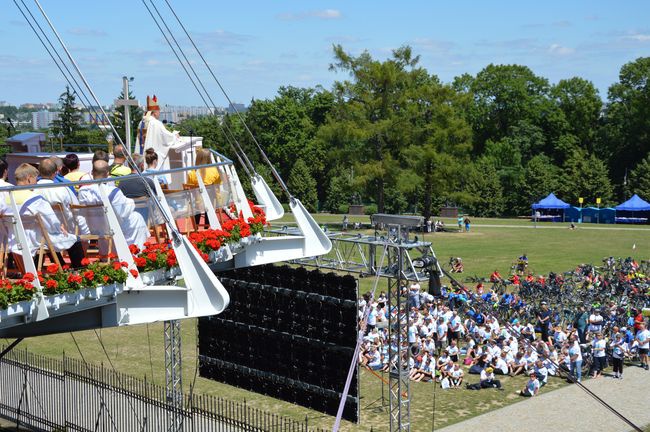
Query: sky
pixel 256 46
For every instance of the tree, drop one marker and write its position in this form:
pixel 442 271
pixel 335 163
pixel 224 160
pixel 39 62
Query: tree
pixel 626 134
pixel 389 121
pixel 302 185
pixel 339 191
pixel 503 96
pixel 579 101
pixel 135 114
pixel 639 179
pixel 540 178
pixel 484 196
pixel 585 176
pixel 69 119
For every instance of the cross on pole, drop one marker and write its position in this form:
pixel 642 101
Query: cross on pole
pixel 126 103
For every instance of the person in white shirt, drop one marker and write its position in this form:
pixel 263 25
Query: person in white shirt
pixel 501 365
pixel 598 346
pixel 532 386
pixel 619 348
pixel 487 379
pixel 575 357
pixel 595 322
pixel 456 376
pixel 61 195
pixel 133 225
pixel 32 204
pixel 643 339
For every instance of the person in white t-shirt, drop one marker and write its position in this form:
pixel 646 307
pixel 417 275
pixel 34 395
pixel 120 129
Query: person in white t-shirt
pixel 595 322
pixel 575 357
pixel 598 346
pixel 456 376
pixel 532 386
pixel 501 365
pixel 619 348
pixel 643 339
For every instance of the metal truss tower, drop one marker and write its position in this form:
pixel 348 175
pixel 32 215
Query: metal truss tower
pixel 174 375
pixel 398 351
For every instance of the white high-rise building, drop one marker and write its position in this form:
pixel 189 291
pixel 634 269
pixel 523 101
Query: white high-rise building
pixel 43 119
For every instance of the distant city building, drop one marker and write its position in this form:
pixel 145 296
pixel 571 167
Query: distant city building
pixel 43 119
pixel 94 117
pixel 3 104
pixel 175 113
pixel 233 107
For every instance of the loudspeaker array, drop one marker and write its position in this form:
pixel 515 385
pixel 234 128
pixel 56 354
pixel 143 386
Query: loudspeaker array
pixel 288 333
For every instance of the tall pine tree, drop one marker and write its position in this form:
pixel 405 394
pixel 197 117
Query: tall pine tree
pixel 69 119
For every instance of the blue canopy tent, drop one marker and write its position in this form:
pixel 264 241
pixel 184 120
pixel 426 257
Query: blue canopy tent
pixel 634 210
pixel 550 208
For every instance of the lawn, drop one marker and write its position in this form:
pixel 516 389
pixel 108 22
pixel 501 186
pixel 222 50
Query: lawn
pixel 551 247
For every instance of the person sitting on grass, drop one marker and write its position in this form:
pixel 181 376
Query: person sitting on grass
pixel 456 376
pixel 487 379
pixel 532 386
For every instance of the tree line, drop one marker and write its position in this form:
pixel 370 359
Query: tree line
pixel 395 137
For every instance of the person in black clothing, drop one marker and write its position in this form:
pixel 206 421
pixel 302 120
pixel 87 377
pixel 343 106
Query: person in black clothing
pixel 543 321
pixel 135 188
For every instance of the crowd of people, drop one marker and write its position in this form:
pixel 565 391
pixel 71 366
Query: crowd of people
pixel 465 337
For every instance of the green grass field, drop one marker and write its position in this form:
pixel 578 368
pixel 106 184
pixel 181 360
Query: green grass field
pixel 551 247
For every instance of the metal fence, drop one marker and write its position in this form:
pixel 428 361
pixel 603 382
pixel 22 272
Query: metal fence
pixel 48 394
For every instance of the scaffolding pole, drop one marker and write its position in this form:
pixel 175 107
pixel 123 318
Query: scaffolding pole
pixel 399 352
pixel 174 375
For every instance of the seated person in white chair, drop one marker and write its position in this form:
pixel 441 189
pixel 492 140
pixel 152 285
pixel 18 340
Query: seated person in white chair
pixel 133 225
pixel 31 204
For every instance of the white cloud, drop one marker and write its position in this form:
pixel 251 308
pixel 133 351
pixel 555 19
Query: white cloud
pixel 559 50
pixel 639 37
pixel 82 31
pixel 326 14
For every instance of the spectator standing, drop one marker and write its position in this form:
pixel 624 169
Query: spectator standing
pixel 581 323
pixel 643 338
pixel 598 348
pixel 467 224
pixel 618 347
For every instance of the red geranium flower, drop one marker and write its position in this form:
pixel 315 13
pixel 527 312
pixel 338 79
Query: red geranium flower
pixel 134 249
pixel 89 275
pixel 124 264
pixel 51 284
pixel 152 256
pixel 117 266
pixel 85 262
pixel 106 278
pixel 74 278
pixel 140 262
pixel 113 256
pixel 28 277
pixel 52 268
pixel 134 272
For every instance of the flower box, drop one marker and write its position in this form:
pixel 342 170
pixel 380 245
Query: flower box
pixel 154 276
pixel 173 272
pixel 219 255
pixel 17 309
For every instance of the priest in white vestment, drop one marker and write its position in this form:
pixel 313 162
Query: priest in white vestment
pixel 133 225
pixel 155 135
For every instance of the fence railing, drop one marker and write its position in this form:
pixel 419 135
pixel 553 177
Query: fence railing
pixel 44 393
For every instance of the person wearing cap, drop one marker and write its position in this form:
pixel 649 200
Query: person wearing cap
pixel 487 379
pixel 532 386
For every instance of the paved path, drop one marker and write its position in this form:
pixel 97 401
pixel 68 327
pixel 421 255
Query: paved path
pixel 564 226
pixel 571 409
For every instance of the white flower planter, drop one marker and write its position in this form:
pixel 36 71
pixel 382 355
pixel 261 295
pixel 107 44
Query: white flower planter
pixel 154 276
pixel 17 309
pixel 219 255
pixel 173 272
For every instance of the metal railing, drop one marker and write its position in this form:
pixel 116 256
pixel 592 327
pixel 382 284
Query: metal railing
pixel 42 393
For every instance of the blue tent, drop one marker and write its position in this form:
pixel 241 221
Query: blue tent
pixel 551 202
pixel 590 214
pixel 550 209
pixel 634 204
pixel 634 210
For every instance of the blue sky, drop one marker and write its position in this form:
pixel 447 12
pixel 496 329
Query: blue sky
pixel 257 46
